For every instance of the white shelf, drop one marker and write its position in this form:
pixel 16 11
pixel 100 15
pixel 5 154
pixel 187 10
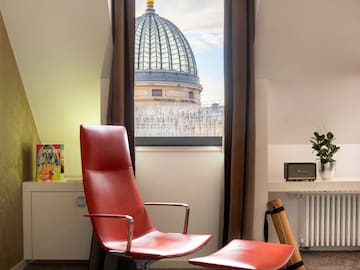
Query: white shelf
pixel 343 185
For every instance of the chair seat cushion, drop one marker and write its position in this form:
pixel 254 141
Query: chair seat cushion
pixel 247 254
pixel 157 245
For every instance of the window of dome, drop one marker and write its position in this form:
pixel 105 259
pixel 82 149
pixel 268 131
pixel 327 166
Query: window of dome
pixel 191 95
pixel 156 92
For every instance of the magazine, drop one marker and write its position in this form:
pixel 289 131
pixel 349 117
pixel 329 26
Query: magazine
pixel 49 162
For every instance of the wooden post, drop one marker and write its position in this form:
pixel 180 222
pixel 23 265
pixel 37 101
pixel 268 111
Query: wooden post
pixel 284 232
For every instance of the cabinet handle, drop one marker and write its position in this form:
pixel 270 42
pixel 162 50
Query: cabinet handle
pixel 80 201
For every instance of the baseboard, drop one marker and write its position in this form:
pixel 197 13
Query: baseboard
pixel 162 264
pixel 21 265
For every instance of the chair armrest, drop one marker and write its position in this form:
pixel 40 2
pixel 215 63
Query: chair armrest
pixel 128 218
pixel 187 211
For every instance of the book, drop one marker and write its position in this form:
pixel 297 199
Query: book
pixel 49 162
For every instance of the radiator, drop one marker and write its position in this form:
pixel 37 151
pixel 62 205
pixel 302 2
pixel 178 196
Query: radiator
pixel 330 221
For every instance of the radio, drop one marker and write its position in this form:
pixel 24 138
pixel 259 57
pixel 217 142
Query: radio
pixel 304 171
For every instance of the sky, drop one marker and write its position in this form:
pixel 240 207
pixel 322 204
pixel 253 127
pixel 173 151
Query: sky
pixel 202 24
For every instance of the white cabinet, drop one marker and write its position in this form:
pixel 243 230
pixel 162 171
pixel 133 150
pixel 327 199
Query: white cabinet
pixel 54 225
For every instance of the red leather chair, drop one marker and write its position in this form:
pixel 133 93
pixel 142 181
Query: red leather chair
pixel 246 255
pixel 119 218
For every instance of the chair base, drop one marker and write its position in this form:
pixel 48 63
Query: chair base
pixel 246 255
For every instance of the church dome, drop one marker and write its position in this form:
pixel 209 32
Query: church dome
pixel 162 53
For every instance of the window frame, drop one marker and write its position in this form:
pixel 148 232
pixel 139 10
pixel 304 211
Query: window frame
pixel 175 141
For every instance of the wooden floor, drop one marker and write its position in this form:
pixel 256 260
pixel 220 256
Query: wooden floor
pixel 349 260
pixel 332 260
pixel 57 266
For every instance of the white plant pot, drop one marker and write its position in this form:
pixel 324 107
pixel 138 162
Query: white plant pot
pixel 327 170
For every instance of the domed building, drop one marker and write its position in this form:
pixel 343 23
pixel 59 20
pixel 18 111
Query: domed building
pixel 165 67
pixel 167 86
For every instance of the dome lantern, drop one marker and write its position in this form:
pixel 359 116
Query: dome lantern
pixel 150 6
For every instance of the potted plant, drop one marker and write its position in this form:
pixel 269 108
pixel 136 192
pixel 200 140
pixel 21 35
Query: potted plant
pixel 325 149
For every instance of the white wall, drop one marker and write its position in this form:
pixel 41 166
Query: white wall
pixel 347 159
pixel 261 153
pixel 190 175
pixel 298 108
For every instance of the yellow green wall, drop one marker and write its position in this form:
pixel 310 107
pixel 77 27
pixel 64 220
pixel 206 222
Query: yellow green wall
pixel 18 136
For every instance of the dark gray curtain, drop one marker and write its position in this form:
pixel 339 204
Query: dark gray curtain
pixel 239 141
pixel 121 92
pixel 120 107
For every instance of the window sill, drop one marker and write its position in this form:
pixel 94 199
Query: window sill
pixel 178 148
pixel 190 141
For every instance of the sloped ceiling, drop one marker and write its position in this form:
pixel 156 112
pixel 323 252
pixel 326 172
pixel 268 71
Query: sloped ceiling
pixel 308 52
pixel 308 38
pixel 59 47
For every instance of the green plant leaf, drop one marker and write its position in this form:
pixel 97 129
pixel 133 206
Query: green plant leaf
pixel 335 150
pixel 323 151
pixel 324 142
pixel 316 147
pixel 329 135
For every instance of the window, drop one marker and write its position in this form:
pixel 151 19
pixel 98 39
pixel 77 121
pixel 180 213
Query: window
pixel 156 93
pixel 179 56
pixel 191 95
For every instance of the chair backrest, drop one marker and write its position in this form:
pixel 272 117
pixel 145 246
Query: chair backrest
pixel 109 182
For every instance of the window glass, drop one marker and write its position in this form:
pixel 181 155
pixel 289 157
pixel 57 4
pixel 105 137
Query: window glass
pixel 179 88
pixel 156 92
pixel 191 95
